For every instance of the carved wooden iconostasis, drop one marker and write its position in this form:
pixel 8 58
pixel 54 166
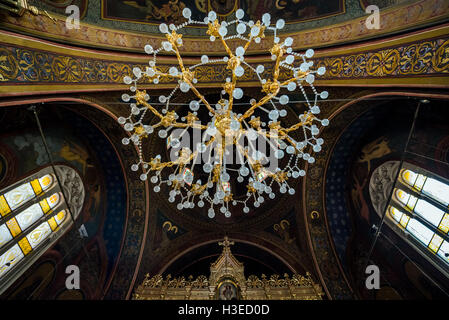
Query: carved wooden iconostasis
pixel 227 281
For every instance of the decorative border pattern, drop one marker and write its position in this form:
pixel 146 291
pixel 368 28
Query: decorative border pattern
pixel 128 259
pixel 392 20
pixel 428 57
pixel 423 61
pixel 315 205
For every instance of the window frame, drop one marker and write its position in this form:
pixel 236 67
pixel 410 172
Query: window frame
pixel 25 263
pixel 424 250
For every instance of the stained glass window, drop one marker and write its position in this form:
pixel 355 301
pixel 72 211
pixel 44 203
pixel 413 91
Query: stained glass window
pixel 26 244
pixel 420 206
pixel 429 186
pixel 10 258
pixel 29 214
pixel 13 227
pixel 23 193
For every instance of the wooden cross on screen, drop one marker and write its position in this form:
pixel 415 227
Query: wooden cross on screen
pixel 226 243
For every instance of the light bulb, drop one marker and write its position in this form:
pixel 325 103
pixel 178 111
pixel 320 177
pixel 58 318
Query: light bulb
pixel 310 78
pixel 321 71
pixel 240 51
pixel 310 53
pixel 289 59
pixel 186 13
pixel 239 71
pixel 223 31
pixel 167 46
pixel 121 120
pixel 212 16
pixel 273 115
pixel 255 31
pixel 148 49
pixel 244 171
pixel 127 80
pixel 266 19
pixel 291 86
pixel 163 28
pixel 173 71
pixel 241 28
pixel 279 154
pixel 184 86
pixel 137 72
pixel 194 105
pixel 237 93
pixel 324 95
pixel 283 99
pixel 239 14
pixel 280 24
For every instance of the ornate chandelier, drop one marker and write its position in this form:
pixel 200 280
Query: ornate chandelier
pixel 201 173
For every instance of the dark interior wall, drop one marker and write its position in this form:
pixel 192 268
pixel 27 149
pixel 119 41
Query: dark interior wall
pixel 256 261
pixel 405 273
pixel 74 141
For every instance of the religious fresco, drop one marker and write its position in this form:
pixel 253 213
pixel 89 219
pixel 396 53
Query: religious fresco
pixel 359 151
pixel 382 4
pixel 170 11
pixel 123 35
pixel 146 10
pixel 59 6
pixel 285 228
pixel 293 10
pixel 166 231
pixel 84 148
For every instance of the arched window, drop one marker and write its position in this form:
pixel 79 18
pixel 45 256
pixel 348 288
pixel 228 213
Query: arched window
pixel 418 206
pixel 33 215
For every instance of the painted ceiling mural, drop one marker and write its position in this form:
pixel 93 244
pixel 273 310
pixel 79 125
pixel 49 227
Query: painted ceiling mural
pixel 382 4
pixel 170 11
pixel 324 27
